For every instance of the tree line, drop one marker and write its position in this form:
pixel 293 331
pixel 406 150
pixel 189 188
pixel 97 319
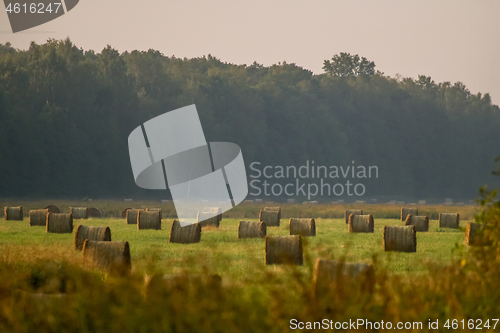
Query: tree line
pixel 66 113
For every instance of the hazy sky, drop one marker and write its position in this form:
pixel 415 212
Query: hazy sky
pixel 452 40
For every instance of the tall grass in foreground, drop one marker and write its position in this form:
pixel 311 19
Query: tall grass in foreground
pixel 59 296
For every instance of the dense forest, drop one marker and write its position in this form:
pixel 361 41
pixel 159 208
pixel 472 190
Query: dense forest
pixel 66 113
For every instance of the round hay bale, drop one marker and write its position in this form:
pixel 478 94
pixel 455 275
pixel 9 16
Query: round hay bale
pixel 59 223
pixel 475 236
pixel 124 213
pixel 284 250
pixel 251 229
pixel 449 220
pixel 270 218
pixel 302 226
pixel 330 273
pixel 109 256
pixel 149 220
pixel 274 209
pixel 361 223
pixel 38 217
pixel 79 213
pixel 53 209
pixel 132 214
pixel 154 210
pixel 206 219
pixel 406 211
pixel 95 212
pixel 210 216
pixel 401 239
pixel 213 211
pixel 349 212
pixel 185 235
pixel 421 223
pixel 13 213
pixel 83 232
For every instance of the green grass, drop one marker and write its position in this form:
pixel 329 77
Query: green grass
pixel 228 256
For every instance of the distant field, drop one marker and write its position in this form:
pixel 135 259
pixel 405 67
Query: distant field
pixel 114 208
pixel 221 252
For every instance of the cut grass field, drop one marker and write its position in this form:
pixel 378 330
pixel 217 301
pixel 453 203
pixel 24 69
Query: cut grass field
pixel 237 259
pixel 45 286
